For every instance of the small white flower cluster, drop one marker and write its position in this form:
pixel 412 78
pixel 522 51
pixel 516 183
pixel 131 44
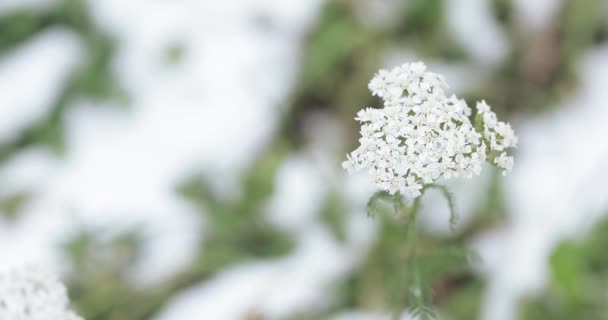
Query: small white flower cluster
pixel 498 135
pixel 421 134
pixel 30 294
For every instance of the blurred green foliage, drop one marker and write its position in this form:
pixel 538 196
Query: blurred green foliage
pixel 236 229
pixel 11 205
pixel 578 280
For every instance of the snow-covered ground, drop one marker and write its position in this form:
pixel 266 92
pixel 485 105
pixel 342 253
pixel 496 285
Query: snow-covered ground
pixel 211 111
pixel 32 76
pixel 557 189
pixel 208 113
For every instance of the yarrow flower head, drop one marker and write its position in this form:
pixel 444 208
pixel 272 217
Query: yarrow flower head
pixel 422 134
pixel 30 294
pixel 498 135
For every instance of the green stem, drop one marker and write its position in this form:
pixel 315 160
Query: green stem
pixel 416 294
pixel 412 239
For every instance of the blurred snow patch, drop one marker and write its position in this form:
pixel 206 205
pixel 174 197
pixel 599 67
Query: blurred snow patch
pixel 299 194
pixel 474 26
pixel 210 110
pixel 557 186
pixel 380 13
pixel 10 5
pixel 27 171
pixel 487 246
pixel 31 78
pixel 367 315
pixel 275 289
pixel 236 73
pixel 467 195
pixel 462 77
pixel 535 15
pixel 361 315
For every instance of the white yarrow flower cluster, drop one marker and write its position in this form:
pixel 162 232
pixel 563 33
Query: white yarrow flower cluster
pixel 422 134
pixel 499 136
pixel 30 294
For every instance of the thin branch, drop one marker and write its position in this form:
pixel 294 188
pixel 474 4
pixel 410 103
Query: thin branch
pixel 449 197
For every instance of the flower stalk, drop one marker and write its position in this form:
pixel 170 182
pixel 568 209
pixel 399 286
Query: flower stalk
pixel 416 296
pixel 423 135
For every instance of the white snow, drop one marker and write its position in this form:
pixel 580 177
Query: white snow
pixel 471 23
pixel 557 188
pixel 535 15
pixel 7 6
pixel 210 112
pixel 275 289
pixel 31 78
pixel 299 194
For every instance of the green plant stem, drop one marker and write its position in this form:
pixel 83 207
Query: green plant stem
pixel 412 239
